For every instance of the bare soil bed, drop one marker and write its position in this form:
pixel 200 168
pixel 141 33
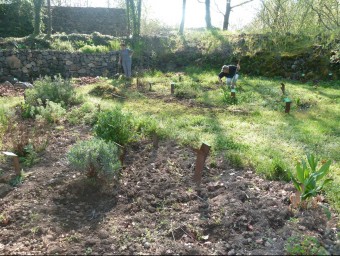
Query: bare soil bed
pixel 155 209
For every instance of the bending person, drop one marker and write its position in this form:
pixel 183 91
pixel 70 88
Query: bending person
pixel 230 72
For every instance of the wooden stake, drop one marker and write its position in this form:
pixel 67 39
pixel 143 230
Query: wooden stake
pixel 283 89
pixel 202 154
pixel 122 157
pixel 172 88
pixel 155 140
pixel 287 109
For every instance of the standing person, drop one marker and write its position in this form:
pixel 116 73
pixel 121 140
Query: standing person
pixel 230 72
pixel 125 59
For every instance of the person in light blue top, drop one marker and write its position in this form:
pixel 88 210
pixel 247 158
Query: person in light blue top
pixel 125 59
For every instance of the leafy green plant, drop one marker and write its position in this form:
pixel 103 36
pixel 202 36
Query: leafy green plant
pixel 304 245
pixel 27 111
pixel 52 112
pixel 17 180
pixel 95 157
pixel 30 157
pixel 115 125
pixel 88 251
pixel 308 179
pixel 227 98
pixel 114 45
pixel 58 90
pixel 62 45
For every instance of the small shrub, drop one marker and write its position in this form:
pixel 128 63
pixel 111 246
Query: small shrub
pixel 17 138
pixel 304 245
pixel 60 45
pixel 52 112
pixel 30 156
pixel 17 180
pixel 58 90
pixel 27 111
pixel 25 141
pixel 114 125
pixel 95 157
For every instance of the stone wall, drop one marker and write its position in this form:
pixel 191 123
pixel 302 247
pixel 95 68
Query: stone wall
pixel 26 65
pixel 107 21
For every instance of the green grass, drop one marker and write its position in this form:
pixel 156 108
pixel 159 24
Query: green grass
pixel 252 131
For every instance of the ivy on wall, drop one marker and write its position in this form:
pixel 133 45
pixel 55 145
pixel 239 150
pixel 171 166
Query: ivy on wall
pixel 16 19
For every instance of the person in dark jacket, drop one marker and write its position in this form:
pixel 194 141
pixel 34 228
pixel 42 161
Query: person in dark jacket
pixel 230 72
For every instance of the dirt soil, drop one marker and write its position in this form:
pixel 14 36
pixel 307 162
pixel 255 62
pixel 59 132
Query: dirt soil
pixel 156 209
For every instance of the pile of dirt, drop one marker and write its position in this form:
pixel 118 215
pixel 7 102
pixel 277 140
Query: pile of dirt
pixel 156 209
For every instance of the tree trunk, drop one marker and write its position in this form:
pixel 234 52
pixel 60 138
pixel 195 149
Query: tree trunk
pixel 207 14
pixel 49 25
pixel 181 28
pixel 128 16
pixel 139 15
pixel 226 16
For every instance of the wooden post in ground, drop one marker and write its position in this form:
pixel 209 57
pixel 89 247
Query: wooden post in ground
pixel 287 109
pixel 172 88
pixel 283 88
pixel 122 156
pixel 233 93
pixel 202 154
pixel 155 140
pixel 288 104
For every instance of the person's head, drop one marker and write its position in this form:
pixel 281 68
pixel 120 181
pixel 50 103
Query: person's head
pixel 225 69
pixel 123 45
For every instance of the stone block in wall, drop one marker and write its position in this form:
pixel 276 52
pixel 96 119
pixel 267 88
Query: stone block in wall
pixel 25 70
pixel 13 62
pixel 82 71
pixel 73 68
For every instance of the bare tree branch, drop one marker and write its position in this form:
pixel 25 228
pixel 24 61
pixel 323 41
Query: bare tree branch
pixel 241 4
